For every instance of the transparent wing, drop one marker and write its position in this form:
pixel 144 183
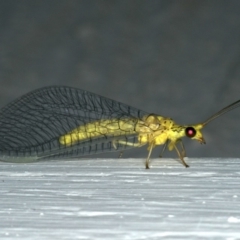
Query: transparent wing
pixel 30 127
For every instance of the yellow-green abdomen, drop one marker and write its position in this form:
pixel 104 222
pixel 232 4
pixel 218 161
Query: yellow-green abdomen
pixel 109 127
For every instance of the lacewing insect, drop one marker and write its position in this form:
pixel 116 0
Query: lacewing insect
pixel 64 122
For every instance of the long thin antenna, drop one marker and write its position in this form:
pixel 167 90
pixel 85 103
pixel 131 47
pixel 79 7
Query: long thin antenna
pixel 223 111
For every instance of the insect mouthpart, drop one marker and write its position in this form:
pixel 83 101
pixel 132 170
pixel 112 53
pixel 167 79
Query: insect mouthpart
pixel 202 140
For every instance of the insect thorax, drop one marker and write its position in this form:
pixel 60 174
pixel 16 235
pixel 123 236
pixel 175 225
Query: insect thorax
pixel 154 128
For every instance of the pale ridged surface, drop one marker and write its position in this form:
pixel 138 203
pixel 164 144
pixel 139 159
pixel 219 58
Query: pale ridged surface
pixel 119 199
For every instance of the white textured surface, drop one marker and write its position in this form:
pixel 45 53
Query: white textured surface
pixel 119 199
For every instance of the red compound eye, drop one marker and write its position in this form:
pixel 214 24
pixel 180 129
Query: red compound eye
pixel 190 132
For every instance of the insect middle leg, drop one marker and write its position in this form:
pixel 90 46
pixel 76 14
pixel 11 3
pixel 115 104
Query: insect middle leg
pixel 163 149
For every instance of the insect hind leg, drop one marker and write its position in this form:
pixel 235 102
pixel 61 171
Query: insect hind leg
pixel 183 149
pixel 126 143
pixel 120 154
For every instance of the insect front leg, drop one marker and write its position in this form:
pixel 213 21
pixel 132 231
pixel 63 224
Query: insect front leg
pixel 181 156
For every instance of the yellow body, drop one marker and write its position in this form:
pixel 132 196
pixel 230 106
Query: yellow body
pixel 151 129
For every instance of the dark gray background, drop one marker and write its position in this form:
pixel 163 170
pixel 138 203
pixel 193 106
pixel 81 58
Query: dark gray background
pixel 176 58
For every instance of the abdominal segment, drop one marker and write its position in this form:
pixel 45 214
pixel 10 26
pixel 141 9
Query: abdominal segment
pixel 101 128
